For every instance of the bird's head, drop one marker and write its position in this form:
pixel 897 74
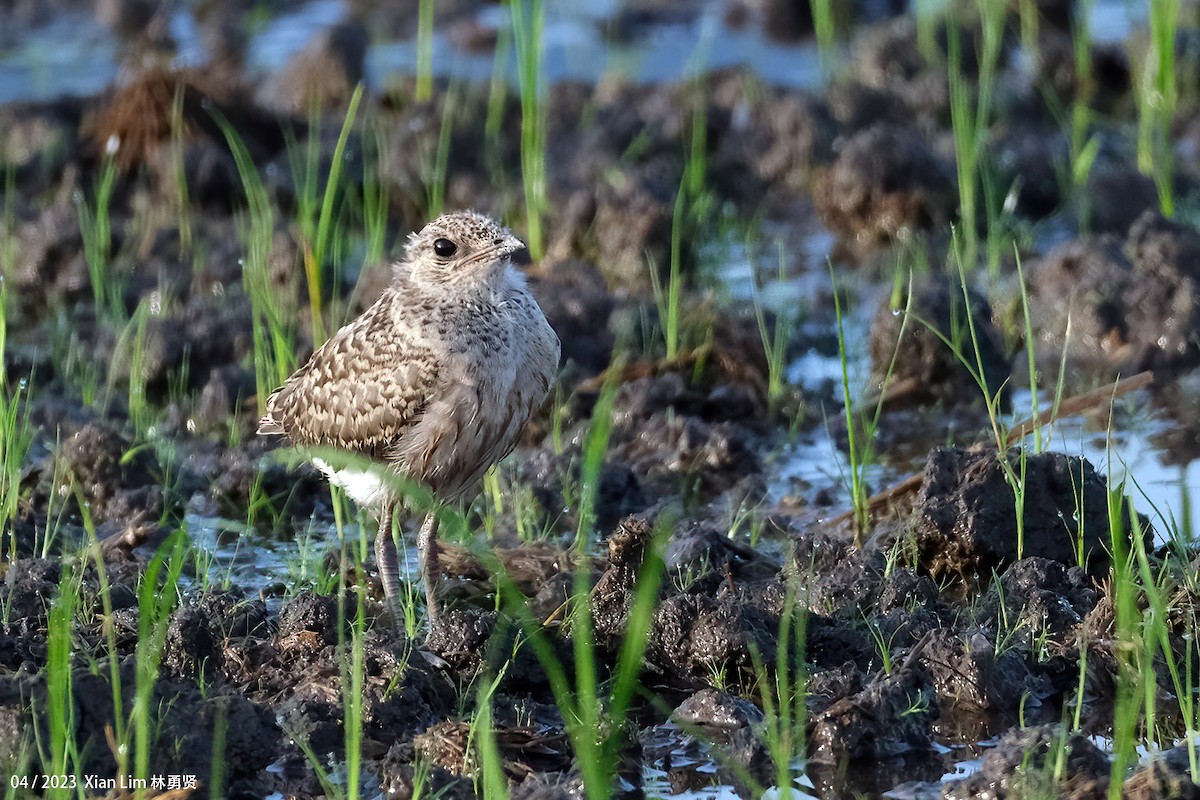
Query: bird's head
pixel 462 248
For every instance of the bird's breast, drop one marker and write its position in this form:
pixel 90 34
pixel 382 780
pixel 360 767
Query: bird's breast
pixel 497 363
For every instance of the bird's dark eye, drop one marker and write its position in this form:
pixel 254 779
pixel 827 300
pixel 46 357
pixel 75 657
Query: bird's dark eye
pixel 444 248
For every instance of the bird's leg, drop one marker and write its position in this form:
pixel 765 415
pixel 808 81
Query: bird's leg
pixel 389 565
pixel 427 551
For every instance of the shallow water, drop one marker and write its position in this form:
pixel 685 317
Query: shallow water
pixel 1123 448
pixel 1128 454
pixel 1125 453
pixel 262 562
pixel 74 54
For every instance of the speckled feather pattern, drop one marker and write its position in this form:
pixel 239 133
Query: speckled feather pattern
pixel 437 378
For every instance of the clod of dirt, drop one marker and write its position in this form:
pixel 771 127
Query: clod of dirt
pixel 1035 596
pixel 1165 775
pixel 1135 306
pixel 1165 297
pixel 550 475
pixel 552 598
pixel 223 477
pixel 575 300
pixel 206 170
pixel 611 207
pixel 1059 14
pixel 723 382
pixel 30 585
pixel 37 140
pixel 713 457
pixel 461 638
pixel 890 716
pixel 222 395
pixel 49 268
pixel 189 735
pixel 206 334
pixel 399 778
pixel 552 786
pixel 641 397
pixel 323 74
pixel 908 344
pixel 1108 80
pixel 787 22
pixel 198 631
pixel 700 547
pixel 1026 158
pixel 612 598
pixel 1116 196
pixel 902 588
pixel 746 757
pixel 523 750
pixel 696 637
pixel 632 216
pixel 856 105
pixel 186 725
pixel 908 607
pixel 972 674
pixel 311 618
pixel 965 522
pixel 115 478
pixel 14 724
pixel 888 57
pixel 885 184
pixel 824 687
pixel 771 146
pixel 299 674
pixel 17 650
pixel 192 647
pixel 838 579
pixel 1026 764
pixel 1082 284
pixel 719 714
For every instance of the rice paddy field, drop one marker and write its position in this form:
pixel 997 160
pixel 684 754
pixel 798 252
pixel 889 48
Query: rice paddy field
pixel 869 466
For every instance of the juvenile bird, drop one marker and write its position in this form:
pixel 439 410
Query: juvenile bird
pixel 435 381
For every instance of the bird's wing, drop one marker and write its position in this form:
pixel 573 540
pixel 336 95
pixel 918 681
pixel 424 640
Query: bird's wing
pixel 360 390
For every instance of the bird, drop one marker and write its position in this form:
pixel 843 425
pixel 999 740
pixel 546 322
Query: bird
pixel 435 382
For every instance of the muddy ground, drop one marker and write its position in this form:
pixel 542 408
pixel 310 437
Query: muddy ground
pixel 949 625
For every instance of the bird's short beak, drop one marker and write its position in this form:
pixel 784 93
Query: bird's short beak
pixel 509 245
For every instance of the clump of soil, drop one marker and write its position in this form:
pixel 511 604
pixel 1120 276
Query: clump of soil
pixel 885 184
pixel 115 478
pixel 965 525
pixel 890 715
pixel 322 75
pixel 1022 764
pixel 939 342
pixel 1131 304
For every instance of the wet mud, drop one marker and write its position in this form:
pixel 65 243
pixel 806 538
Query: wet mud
pixel 969 614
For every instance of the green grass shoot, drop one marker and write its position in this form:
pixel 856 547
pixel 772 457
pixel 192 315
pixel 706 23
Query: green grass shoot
pixel 970 115
pixel 95 226
pixel 528 24
pixel 1156 101
pixel 273 332
pixel 424 50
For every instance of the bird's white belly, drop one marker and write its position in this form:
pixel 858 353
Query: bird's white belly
pixel 365 487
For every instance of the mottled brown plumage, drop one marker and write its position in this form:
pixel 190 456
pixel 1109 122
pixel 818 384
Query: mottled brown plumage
pixel 435 381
